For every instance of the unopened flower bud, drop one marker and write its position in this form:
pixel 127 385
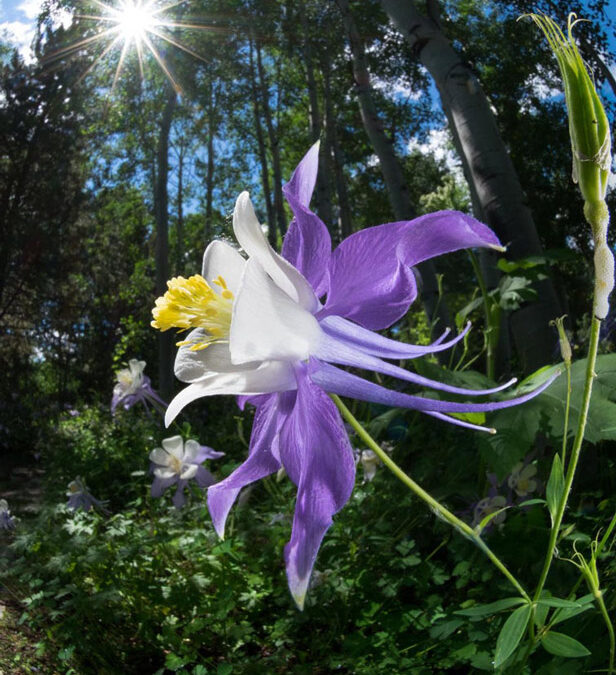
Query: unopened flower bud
pixel 588 125
pixel 563 340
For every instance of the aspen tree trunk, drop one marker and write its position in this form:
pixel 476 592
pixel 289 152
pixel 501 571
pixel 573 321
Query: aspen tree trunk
pixel 324 181
pixel 161 216
pixel 344 214
pixel 390 166
pixel 256 107
pixel 179 228
pixel 280 218
pixel 209 190
pixel 492 174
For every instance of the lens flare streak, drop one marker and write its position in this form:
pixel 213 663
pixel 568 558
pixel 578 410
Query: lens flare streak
pixel 131 24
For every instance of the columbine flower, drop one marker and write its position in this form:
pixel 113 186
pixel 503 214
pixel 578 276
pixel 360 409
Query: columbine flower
pixel 80 498
pixel 261 331
pixel 6 520
pixel 369 463
pixel 490 504
pixel 179 462
pixel 133 386
pixel 521 479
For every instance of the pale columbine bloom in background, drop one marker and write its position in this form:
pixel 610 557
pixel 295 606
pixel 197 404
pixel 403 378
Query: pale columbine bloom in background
pixel 133 386
pixel 80 498
pixel 369 463
pixel 522 479
pixel 178 462
pixel 488 505
pixel 269 328
pixel 6 520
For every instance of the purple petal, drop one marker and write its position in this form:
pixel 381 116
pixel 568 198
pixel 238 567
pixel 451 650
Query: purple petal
pixel 370 280
pixel 338 351
pixel 260 462
pixel 307 244
pixel 340 382
pixel 316 453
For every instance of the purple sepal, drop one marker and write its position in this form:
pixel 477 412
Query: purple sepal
pixel 307 244
pixel 370 280
pixel 317 456
pixel 261 461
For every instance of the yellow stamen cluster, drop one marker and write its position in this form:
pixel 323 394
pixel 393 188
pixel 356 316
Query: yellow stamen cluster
pixel 193 303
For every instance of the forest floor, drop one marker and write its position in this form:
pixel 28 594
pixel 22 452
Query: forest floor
pixel 18 644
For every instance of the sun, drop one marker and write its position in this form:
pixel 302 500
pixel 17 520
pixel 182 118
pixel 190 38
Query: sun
pixel 129 25
pixel 135 20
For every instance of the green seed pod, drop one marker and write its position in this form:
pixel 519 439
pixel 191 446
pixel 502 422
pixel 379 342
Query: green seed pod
pixel 588 125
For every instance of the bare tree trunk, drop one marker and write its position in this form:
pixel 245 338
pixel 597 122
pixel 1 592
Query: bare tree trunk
pixel 397 189
pixel 280 219
pixel 209 189
pixel 179 228
pixel 492 173
pixel 161 215
pixel 344 214
pixel 256 107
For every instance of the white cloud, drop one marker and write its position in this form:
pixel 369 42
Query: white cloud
pixel 20 35
pixel 439 145
pixel 31 8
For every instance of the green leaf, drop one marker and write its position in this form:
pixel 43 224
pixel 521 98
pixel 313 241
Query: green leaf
pixel 517 427
pixel 560 644
pixel 555 487
pixel 484 523
pixel 559 602
pixel 532 502
pixel 491 608
pixel 511 634
pixel 584 604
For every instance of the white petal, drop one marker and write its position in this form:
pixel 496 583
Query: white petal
pixel 268 377
pixel 164 473
pixel 267 325
pixel 193 365
pixel 136 367
pixel 174 446
pixel 190 472
pixel 221 259
pixel 160 457
pixel 191 450
pixel 251 238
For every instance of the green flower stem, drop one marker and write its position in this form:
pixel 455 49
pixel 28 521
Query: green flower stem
pixel 575 453
pixel 610 629
pixel 435 505
pixel 567 408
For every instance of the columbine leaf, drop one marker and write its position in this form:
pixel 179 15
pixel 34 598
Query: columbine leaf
pixel 517 427
pixel 491 608
pixel 559 602
pixel 484 523
pixel 584 604
pixel 560 644
pixel 511 634
pixel 555 487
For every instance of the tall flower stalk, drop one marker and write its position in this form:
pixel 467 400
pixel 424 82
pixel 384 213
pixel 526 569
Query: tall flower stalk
pixel 591 150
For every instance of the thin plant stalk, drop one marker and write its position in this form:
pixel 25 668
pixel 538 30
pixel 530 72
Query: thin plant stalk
pixel 575 453
pixel 567 410
pixel 434 504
